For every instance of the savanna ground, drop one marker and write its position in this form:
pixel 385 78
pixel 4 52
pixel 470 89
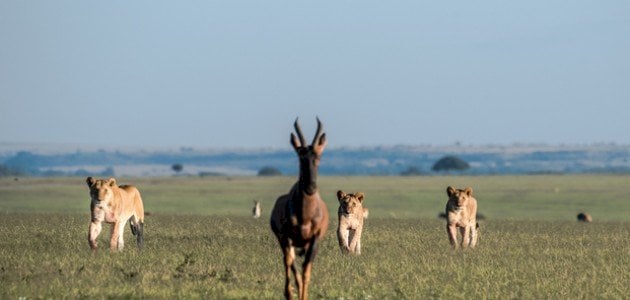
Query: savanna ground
pixel 201 241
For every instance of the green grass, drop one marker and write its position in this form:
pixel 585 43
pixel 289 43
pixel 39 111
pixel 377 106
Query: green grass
pixel 202 243
pixel 500 197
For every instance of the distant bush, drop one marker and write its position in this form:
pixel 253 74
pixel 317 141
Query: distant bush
pixel 52 173
pixel 108 172
pixel 177 167
pixel 411 171
pixel 8 171
pixel 269 171
pixel 82 173
pixel 210 174
pixel 450 163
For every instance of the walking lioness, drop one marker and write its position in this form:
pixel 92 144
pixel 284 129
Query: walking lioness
pixel 115 205
pixel 461 211
pixel 351 214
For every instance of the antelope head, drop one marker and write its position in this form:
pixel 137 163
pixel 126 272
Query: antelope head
pixel 309 156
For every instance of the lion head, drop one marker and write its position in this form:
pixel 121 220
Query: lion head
pixel 350 203
pixel 100 189
pixel 459 196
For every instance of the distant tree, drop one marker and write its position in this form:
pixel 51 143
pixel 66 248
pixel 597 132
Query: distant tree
pixel 450 163
pixel 411 171
pixel 269 171
pixel 82 173
pixel 210 174
pixel 177 167
pixel 8 171
pixel 108 172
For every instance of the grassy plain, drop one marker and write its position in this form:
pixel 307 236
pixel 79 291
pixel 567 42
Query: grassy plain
pixel 202 243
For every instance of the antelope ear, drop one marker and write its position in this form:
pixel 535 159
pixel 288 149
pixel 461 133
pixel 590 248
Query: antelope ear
pixel 340 194
pixel 359 196
pixel 90 181
pixel 468 191
pixel 450 191
pixel 322 140
pixel 111 181
pixel 295 142
pixel 319 146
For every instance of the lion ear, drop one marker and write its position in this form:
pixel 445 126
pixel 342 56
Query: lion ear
pixel 468 191
pixel 340 194
pixel 359 196
pixel 90 181
pixel 450 191
pixel 112 181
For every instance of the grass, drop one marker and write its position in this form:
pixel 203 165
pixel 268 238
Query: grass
pixel 500 197
pixel 201 242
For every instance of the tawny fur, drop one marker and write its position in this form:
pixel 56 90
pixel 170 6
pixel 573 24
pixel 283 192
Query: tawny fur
pixel 351 214
pixel 299 219
pixel 114 205
pixel 461 212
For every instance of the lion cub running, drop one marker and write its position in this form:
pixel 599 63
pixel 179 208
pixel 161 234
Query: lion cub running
pixel 461 211
pixel 115 205
pixel 351 214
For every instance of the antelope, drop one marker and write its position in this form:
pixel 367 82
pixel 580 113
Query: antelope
pixel 299 219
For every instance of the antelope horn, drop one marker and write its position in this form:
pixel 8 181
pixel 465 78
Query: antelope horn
pixel 318 132
pixel 299 132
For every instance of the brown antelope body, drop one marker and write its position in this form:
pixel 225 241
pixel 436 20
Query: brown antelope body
pixel 299 219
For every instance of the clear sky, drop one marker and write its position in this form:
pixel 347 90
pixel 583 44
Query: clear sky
pixel 225 74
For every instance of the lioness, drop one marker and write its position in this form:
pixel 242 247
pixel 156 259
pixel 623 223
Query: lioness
pixel 351 214
pixel 115 205
pixel 461 211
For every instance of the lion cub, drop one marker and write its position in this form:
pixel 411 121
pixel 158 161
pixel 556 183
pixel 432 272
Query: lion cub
pixel 461 211
pixel 351 214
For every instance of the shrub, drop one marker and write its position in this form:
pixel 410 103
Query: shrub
pixel 450 163
pixel 269 171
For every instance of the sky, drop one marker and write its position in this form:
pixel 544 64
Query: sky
pixel 236 74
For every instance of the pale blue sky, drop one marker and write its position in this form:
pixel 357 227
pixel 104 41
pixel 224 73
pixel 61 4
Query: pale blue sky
pixel 226 74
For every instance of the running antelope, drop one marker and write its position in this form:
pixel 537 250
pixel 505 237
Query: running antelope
pixel 299 219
